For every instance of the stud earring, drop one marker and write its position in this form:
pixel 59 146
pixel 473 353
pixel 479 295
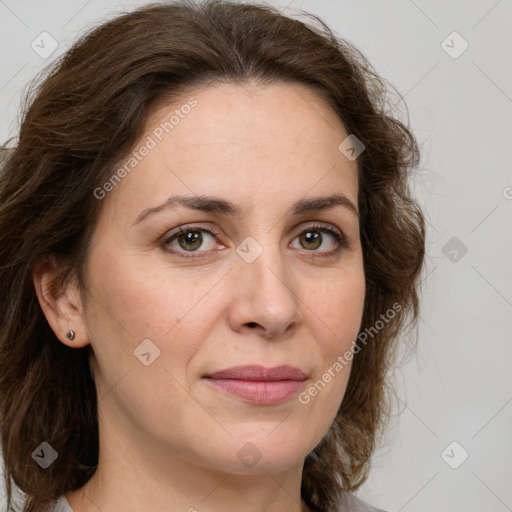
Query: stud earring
pixel 70 335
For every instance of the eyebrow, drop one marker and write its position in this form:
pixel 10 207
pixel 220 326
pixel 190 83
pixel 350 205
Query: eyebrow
pixel 213 204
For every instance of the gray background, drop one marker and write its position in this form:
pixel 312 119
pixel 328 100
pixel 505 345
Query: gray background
pixel 458 386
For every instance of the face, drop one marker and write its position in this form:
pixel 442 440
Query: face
pixel 179 291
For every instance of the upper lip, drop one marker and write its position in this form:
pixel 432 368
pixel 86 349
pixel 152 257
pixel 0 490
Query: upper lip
pixel 259 373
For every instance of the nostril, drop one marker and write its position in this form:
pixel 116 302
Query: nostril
pixel 252 324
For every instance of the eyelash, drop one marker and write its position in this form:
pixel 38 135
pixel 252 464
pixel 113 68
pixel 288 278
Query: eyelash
pixel 340 239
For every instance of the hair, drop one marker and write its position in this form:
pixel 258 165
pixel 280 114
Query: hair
pixel 83 115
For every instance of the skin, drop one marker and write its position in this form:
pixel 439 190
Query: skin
pixel 169 440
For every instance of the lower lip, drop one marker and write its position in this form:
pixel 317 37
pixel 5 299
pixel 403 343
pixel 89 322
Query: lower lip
pixel 259 392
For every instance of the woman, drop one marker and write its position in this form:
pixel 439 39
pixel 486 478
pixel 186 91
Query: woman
pixel 209 249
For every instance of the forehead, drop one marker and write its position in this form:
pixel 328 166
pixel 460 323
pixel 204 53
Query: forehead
pixel 247 112
pixel 240 140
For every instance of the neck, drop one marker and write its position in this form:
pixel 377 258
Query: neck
pixel 151 480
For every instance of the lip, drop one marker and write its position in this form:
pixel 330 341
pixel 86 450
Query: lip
pixel 259 373
pixel 259 384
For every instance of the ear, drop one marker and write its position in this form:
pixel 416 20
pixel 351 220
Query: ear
pixel 61 304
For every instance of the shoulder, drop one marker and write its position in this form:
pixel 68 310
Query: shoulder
pixel 351 503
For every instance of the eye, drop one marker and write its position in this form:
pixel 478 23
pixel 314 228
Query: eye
pixel 312 238
pixel 189 239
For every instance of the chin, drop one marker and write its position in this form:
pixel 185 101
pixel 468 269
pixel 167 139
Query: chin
pixel 246 454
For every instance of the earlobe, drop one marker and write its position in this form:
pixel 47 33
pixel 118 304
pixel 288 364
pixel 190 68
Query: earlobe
pixel 61 302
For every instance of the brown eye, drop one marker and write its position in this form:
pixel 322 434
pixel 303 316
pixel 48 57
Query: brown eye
pixel 311 240
pixel 314 237
pixel 190 239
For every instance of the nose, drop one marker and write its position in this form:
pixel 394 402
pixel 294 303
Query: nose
pixel 266 297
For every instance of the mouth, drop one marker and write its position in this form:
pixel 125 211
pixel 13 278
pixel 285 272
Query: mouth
pixel 258 384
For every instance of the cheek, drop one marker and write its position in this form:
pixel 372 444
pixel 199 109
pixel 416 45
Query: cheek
pixel 336 309
pixel 138 300
pixel 132 304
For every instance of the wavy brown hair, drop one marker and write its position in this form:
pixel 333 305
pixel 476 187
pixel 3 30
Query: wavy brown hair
pixel 85 114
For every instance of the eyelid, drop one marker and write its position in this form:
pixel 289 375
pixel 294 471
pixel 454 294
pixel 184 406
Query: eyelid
pixel 341 240
pixel 319 225
pixel 190 227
